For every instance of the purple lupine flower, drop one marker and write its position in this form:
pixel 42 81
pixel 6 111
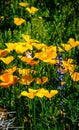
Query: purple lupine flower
pixel 60 63
pixel 61 76
pixel 62 73
pixel 57 57
pixel 58 71
pixel 60 58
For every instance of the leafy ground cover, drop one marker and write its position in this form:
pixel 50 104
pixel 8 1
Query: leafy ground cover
pixel 39 64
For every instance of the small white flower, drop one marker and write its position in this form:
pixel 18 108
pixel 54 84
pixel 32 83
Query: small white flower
pixel 27 54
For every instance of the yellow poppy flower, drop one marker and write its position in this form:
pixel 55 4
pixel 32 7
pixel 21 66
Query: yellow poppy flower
pixel 19 47
pixel 8 80
pixel 67 47
pixel 41 92
pixel 23 4
pixel 26 80
pixel 30 95
pixel 68 66
pixel 24 93
pixel 51 94
pixel 19 21
pixel 32 90
pixel 73 43
pixel 11 46
pixel 75 76
pixel 7 60
pixel 71 69
pixel 32 10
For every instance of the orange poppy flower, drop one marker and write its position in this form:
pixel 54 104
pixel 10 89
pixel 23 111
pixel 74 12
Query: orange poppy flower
pixel 42 80
pixel 10 71
pixel 26 80
pixel 7 80
pixel 19 21
pixel 4 52
pixel 48 53
pixel 29 61
pixel 38 80
pixel 7 60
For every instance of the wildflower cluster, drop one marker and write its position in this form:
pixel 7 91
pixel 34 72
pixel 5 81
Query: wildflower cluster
pixel 39 93
pixel 27 68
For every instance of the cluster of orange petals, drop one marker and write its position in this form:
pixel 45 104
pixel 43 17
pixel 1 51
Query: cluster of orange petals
pixel 42 80
pixel 7 80
pixel 48 54
pixel 45 53
pixel 38 93
pixel 4 52
pixel 29 61
pixel 26 80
